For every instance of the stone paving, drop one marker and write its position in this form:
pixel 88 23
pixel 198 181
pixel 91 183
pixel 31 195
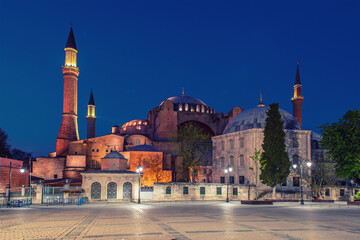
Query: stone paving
pixel 182 220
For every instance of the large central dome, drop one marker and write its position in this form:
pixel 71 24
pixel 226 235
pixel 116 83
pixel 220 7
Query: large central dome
pixel 255 118
pixel 184 103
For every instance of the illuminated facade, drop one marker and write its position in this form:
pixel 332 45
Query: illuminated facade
pixel 147 141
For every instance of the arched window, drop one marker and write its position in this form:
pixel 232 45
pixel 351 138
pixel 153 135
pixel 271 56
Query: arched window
pixel 186 107
pixel 295 143
pixel 242 161
pixel 111 190
pixel 222 145
pixel 241 142
pixel 296 159
pixel 180 107
pixel 232 162
pixel 231 144
pixel 315 144
pixel 222 163
pixel 202 109
pixel 127 190
pixel 197 108
pixel 95 190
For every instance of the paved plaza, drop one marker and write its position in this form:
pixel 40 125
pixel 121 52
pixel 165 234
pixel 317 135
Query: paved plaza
pixel 182 220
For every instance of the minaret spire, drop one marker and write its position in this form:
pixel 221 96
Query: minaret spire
pixel 297 100
pixel 69 128
pixel 90 117
pixel 261 104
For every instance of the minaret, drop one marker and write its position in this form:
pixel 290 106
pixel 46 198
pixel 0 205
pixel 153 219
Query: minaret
pixel 91 117
pixel 69 127
pixel 297 100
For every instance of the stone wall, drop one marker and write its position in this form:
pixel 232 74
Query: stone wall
pixel 17 178
pixel 48 168
pixel 105 178
pixel 196 191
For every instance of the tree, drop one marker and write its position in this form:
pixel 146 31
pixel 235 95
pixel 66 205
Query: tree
pixel 342 141
pixel 322 174
pixel 4 146
pixel 19 154
pixel 193 145
pixel 154 164
pixel 256 158
pixel 275 163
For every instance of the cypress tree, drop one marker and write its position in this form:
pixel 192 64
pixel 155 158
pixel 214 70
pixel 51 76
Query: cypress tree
pixel 275 163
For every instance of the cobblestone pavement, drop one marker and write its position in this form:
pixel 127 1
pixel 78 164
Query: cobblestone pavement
pixel 182 220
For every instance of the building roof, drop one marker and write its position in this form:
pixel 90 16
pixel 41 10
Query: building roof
pixel 185 99
pixel 144 148
pixel 114 154
pixel 111 171
pixel 71 40
pixel 255 118
pixel 91 99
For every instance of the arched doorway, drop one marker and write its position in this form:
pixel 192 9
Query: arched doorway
pixel 96 190
pixel 111 190
pixel 127 190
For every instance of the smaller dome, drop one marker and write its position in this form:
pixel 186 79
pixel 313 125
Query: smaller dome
pixel 114 154
pixel 145 148
pixel 136 122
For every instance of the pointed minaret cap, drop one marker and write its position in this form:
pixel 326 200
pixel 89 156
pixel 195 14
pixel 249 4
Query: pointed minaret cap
pixel 182 93
pixel 71 40
pixel 297 78
pixel 91 99
pixel 261 104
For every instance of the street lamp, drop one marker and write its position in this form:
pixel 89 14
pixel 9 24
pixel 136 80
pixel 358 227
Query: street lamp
pixel 22 170
pixel 301 177
pixel 228 170
pixel 139 169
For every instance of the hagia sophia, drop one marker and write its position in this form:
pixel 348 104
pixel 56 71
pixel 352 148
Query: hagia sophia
pixel 111 160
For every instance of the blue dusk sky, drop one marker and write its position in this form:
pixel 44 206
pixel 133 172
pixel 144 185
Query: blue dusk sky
pixel 136 54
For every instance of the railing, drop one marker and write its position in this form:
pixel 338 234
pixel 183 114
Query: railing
pixel 16 203
pixel 66 201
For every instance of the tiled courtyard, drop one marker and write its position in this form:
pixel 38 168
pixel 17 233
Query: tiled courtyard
pixel 182 220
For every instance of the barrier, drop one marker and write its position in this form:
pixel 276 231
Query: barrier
pixel 66 201
pixel 16 203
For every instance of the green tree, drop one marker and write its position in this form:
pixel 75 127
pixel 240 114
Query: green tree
pixel 342 141
pixel 322 174
pixel 275 163
pixel 256 158
pixel 4 146
pixel 193 145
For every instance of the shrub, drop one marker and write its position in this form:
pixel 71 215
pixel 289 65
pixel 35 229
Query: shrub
pixel 357 196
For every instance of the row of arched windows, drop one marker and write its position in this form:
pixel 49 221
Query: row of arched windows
pixel 231 144
pixel 193 108
pixel 111 190
pixel 240 163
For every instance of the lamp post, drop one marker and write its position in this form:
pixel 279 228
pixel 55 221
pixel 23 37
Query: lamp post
pixel 22 170
pixel 139 169
pixel 228 170
pixel 301 177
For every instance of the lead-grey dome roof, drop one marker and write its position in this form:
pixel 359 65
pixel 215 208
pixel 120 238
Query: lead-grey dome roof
pixel 255 118
pixel 114 154
pixel 185 99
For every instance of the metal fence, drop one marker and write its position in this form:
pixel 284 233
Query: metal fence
pixel 63 195
pixel 17 192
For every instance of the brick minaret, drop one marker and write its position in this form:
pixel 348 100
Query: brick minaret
pixel 297 100
pixel 91 117
pixel 69 127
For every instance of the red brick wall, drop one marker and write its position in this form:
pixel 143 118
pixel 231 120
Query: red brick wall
pixel 17 178
pixel 119 164
pixel 47 167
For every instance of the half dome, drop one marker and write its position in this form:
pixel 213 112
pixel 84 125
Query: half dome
pixel 255 118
